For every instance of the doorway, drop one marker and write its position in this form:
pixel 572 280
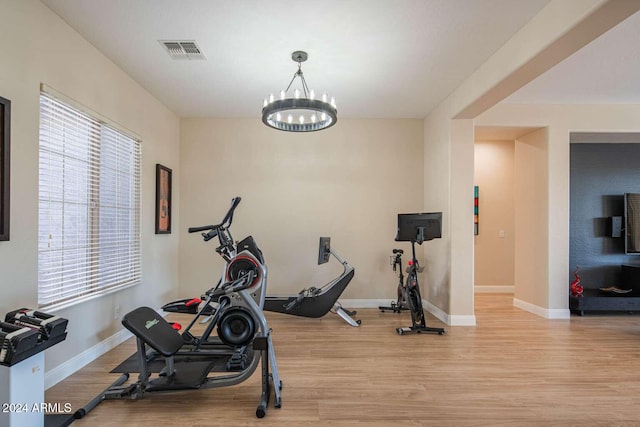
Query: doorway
pixel 498 190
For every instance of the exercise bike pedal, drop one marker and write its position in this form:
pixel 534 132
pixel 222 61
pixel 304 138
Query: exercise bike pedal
pixel 394 307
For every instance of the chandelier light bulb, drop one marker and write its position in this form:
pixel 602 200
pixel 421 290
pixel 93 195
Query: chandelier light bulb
pixel 313 118
pixel 278 117
pixel 289 119
pixel 323 116
pixel 333 102
pixel 270 98
pixel 324 97
pixel 296 93
pixel 301 119
pixel 312 94
pixel 281 94
pixel 265 103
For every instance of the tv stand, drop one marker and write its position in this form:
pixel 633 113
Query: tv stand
pixel 597 300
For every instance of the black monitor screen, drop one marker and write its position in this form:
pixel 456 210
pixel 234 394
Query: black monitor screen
pixel 324 250
pixel 409 226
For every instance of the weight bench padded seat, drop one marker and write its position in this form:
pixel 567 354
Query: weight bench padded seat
pixel 146 324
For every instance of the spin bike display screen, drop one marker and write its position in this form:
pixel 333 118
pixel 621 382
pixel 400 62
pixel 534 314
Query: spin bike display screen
pixel 409 226
pixel 324 250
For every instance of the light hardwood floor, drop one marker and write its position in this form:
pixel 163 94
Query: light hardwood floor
pixel 512 369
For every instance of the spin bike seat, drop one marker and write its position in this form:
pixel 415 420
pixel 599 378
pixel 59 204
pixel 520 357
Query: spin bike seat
pixel 152 329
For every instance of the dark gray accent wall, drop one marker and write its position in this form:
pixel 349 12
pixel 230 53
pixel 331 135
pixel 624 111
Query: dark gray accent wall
pixel 600 175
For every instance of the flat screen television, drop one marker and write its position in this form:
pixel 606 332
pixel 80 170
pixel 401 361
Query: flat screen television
pixel 632 223
pixel 419 227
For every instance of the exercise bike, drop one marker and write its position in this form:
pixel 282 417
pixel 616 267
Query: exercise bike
pixel 401 303
pixel 417 228
pixel 187 361
pixel 316 302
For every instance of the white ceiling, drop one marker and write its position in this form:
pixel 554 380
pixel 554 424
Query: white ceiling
pixel 379 58
pixel 606 71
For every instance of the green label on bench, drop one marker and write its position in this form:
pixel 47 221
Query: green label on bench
pixel 151 323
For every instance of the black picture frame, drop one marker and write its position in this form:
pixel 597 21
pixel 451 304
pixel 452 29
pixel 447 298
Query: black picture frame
pixel 163 199
pixel 5 160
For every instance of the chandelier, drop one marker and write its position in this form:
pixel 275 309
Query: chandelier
pixel 301 112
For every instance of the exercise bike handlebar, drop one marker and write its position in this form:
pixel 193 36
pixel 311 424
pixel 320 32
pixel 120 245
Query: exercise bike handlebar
pixel 226 221
pixel 229 216
pixel 202 228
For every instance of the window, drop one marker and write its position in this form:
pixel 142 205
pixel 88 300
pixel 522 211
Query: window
pixel 89 206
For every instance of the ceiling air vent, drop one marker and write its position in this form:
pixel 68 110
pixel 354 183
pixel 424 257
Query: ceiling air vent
pixel 182 49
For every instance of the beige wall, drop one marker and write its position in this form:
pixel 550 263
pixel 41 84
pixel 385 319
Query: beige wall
pixel 531 218
pixel 436 289
pixel 494 252
pixel 348 182
pixel 38 47
pixel 462 140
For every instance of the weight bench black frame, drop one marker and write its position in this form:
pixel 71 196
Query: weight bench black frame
pixel 154 331
pixel 184 368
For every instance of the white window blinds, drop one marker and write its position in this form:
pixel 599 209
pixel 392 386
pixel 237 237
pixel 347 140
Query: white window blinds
pixel 89 206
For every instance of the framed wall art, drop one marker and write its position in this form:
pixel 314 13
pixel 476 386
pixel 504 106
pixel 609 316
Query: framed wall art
pixel 5 159
pixel 476 219
pixel 163 199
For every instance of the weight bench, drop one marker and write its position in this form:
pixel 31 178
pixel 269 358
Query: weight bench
pixel 151 329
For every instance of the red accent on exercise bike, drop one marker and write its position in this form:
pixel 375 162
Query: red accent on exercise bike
pixel 410 263
pixel 175 325
pixel 193 301
pixel 254 264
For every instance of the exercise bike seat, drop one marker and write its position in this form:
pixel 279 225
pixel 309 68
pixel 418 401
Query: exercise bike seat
pixel 146 324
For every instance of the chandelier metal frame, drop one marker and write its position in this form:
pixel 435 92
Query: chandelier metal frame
pixel 299 114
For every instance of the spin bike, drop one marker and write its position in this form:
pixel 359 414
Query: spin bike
pixel 417 228
pixel 187 361
pixel 401 303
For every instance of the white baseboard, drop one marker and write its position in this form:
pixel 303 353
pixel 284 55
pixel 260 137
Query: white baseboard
pixel 462 320
pixel 493 289
pixel 60 372
pixel 436 311
pixel 451 320
pixel 547 313
pixel 364 303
